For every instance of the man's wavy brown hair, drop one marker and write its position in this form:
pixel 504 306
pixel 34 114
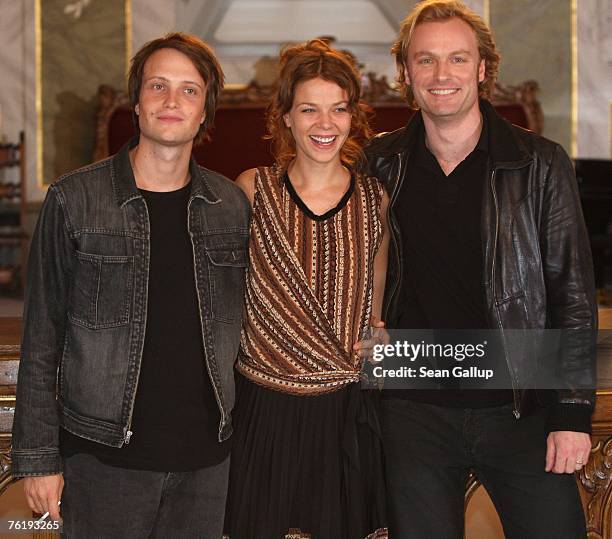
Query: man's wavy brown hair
pixel 203 59
pixel 304 62
pixel 443 10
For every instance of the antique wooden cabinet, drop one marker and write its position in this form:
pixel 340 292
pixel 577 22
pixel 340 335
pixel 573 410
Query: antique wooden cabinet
pixel 13 238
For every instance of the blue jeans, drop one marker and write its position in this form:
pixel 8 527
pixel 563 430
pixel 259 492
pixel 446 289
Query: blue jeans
pixel 104 501
pixel 429 451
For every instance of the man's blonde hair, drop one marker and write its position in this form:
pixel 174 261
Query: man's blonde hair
pixel 443 10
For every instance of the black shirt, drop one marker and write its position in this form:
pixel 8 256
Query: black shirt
pixel 440 223
pixel 176 418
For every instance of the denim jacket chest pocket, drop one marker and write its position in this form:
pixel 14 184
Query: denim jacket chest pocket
pixel 102 290
pixel 226 266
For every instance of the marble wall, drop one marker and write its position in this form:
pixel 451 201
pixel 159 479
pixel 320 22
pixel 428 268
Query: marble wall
pixel 12 60
pixel 65 92
pixel 534 41
pixel 12 104
pixel 534 38
pixel 82 48
pixel 151 19
pixel 594 25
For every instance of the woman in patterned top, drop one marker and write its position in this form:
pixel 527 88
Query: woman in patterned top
pixel 307 458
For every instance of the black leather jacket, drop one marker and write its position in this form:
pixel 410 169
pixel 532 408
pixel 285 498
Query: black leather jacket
pixel 537 267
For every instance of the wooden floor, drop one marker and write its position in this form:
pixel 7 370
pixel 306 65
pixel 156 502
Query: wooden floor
pixel 10 306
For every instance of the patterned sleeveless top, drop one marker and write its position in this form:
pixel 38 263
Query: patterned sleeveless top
pixel 309 286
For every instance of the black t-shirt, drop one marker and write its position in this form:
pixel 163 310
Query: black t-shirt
pixel 176 418
pixel 440 222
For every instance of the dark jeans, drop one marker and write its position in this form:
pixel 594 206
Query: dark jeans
pixel 101 501
pixel 429 451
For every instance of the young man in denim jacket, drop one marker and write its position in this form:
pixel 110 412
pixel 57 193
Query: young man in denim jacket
pixel 132 321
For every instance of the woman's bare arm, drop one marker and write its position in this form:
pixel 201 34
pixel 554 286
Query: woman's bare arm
pixel 380 262
pixel 246 182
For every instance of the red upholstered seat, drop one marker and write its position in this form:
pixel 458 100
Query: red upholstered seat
pixel 237 138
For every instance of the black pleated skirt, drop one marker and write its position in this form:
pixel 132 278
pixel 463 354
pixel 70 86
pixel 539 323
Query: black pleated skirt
pixel 305 464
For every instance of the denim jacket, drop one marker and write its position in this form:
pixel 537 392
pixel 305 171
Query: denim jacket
pixel 86 305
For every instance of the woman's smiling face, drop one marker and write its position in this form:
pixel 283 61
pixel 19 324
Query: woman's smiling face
pixel 319 120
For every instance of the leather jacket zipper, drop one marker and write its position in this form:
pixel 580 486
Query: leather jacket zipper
pixel 394 236
pixel 516 412
pixel 515 396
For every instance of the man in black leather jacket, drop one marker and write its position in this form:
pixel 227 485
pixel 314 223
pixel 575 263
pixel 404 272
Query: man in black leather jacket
pixel 486 232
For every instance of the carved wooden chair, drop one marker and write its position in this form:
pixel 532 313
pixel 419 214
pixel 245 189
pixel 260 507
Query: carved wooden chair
pixel 10 331
pixel 9 365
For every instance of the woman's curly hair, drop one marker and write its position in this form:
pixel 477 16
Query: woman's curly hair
pixel 304 62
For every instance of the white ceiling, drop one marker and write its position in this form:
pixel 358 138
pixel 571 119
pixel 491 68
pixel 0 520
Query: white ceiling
pixel 280 21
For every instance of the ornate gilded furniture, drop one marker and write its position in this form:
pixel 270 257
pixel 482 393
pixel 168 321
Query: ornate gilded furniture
pixel 238 135
pixel 596 477
pixel 10 332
